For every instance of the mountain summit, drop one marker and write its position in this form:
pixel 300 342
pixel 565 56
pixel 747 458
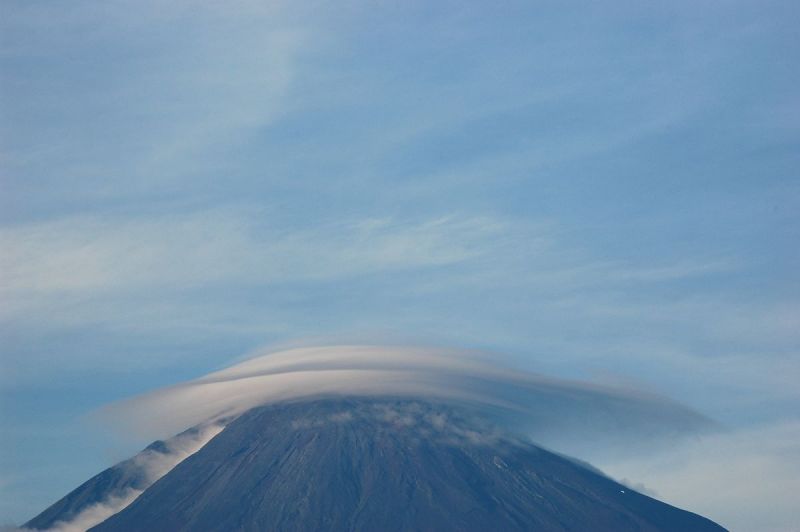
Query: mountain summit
pixel 356 463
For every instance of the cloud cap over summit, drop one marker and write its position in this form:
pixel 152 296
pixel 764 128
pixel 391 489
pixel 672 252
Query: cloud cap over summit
pixel 552 411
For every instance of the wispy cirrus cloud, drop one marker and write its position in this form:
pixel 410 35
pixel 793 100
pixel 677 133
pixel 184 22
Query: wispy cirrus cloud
pixel 87 255
pixel 88 259
pixel 115 104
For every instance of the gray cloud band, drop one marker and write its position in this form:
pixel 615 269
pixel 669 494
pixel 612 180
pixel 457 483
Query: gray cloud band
pixel 559 413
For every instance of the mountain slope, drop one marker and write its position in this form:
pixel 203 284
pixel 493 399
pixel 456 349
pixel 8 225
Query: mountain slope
pixel 113 489
pixel 385 464
pixel 115 482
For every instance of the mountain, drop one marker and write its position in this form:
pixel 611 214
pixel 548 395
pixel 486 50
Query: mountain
pixel 116 487
pixel 377 464
pixel 121 482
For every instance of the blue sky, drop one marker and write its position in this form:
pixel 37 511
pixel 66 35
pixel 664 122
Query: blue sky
pixel 602 191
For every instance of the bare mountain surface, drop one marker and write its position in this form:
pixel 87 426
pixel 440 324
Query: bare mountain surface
pixel 381 464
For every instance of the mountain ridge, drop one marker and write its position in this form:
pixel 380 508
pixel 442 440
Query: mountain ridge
pixel 385 464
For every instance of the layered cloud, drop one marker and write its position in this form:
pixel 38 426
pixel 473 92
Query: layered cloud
pixel 560 413
pixel 652 443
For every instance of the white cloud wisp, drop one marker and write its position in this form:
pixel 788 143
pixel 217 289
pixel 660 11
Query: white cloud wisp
pixel 146 468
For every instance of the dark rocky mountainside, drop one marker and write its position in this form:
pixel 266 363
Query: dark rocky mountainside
pixel 385 464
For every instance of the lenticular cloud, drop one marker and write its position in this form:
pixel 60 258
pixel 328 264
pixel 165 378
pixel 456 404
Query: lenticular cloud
pixel 552 411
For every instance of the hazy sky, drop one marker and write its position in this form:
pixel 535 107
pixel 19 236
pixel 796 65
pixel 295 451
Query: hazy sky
pixel 601 190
